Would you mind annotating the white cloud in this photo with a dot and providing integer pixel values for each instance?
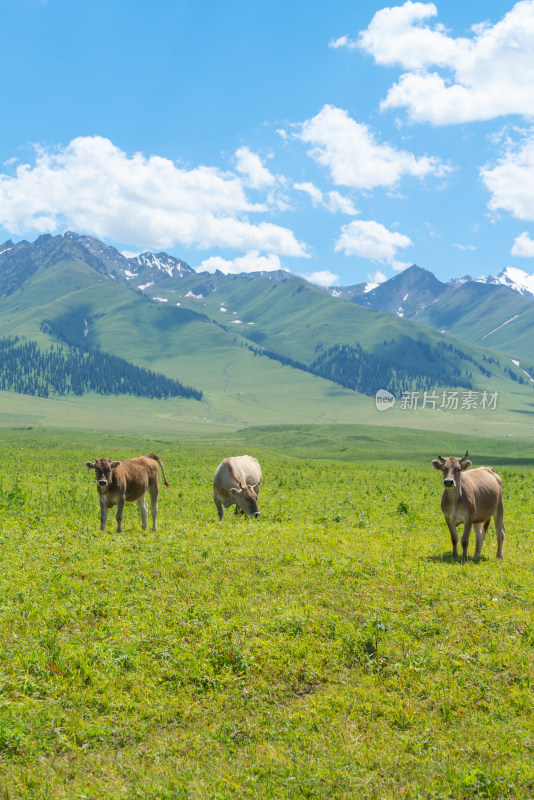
(250, 262)
(523, 246)
(353, 156)
(464, 246)
(322, 278)
(336, 202)
(511, 181)
(378, 277)
(314, 192)
(149, 202)
(343, 41)
(398, 266)
(332, 201)
(250, 166)
(486, 75)
(370, 239)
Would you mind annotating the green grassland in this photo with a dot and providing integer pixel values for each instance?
(197, 344)
(329, 649)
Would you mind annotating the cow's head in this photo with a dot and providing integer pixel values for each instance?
(102, 468)
(246, 498)
(451, 468)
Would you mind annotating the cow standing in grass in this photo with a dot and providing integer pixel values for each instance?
(118, 482)
(237, 482)
(471, 498)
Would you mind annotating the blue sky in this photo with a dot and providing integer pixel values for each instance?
(342, 141)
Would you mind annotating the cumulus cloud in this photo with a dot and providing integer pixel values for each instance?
(378, 277)
(523, 246)
(486, 75)
(370, 239)
(250, 262)
(511, 180)
(322, 278)
(250, 165)
(350, 151)
(93, 186)
(332, 201)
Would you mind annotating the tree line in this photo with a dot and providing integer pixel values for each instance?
(355, 368)
(63, 370)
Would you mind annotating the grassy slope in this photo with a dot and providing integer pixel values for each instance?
(240, 389)
(306, 315)
(330, 648)
(476, 314)
(181, 343)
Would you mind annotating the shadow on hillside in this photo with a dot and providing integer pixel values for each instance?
(447, 558)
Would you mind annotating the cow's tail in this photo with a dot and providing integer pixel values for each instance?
(160, 462)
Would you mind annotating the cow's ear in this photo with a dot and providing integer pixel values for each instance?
(114, 464)
(235, 491)
(437, 464)
(466, 464)
(90, 465)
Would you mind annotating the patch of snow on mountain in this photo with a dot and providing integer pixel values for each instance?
(178, 304)
(5, 251)
(86, 328)
(500, 326)
(369, 287)
(145, 286)
(161, 299)
(516, 279)
(223, 310)
(130, 274)
(531, 379)
(404, 298)
(335, 293)
(235, 322)
(162, 262)
(196, 296)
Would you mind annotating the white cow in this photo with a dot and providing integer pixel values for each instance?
(237, 482)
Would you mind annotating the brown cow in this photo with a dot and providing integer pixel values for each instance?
(237, 482)
(125, 481)
(471, 498)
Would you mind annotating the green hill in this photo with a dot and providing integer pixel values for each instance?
(261, 349)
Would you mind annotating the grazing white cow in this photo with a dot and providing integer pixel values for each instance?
(118, 482)
(237, 482)
(471, 498)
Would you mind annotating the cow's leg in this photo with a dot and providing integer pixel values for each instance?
(480, 532)
(218, 506)
(499, 527)
(103, 516)
(153, 491)
(454, 539)
(118, 517)
(143, 510)
(465, 538)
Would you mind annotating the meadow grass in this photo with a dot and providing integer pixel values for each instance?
(331, 648)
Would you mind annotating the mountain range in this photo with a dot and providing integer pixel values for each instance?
(495, 312)
(263, 345)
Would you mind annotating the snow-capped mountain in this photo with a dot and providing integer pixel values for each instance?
(516, 279)
(168, 266)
